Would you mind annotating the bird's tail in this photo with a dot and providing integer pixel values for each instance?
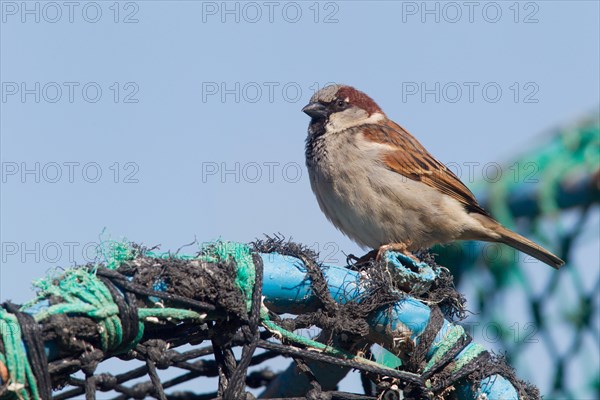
(527, 246)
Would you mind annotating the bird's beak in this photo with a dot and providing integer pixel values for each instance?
(315, 110)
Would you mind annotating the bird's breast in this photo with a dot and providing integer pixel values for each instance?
(367, 201)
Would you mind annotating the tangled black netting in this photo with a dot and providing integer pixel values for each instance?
(192, 284)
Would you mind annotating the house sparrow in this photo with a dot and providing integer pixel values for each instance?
(377, 184)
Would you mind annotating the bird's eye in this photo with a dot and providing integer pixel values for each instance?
(341, 103)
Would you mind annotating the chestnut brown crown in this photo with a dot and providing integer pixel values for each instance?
(337, 98)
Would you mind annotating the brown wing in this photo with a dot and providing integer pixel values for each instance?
(413, 161)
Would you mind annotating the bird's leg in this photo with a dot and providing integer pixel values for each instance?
(398, 247)
(364, 259)
(378, 254)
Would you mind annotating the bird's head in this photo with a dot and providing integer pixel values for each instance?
(339, 107)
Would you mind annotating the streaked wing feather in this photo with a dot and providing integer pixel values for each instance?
(413, 161)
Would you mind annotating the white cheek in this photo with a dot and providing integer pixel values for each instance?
(350, 118)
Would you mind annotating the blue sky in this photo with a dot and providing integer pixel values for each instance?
(162, 121)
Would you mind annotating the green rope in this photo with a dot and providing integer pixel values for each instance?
(22, 383)
(113, 253)
(242, 256)
(84, 294)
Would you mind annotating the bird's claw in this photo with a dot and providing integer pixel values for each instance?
(396, 247)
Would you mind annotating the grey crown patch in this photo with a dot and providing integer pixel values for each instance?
(325, 95)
